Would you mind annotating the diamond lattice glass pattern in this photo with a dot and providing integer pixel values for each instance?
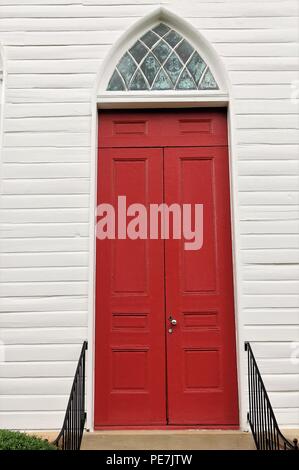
(162, 60)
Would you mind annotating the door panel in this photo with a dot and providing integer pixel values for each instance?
(163, 128)
(130, 323)
(202, 384)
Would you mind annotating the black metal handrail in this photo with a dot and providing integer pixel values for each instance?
(71, 433)
(261, 418)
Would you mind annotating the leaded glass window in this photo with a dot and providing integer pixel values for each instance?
(162, 60)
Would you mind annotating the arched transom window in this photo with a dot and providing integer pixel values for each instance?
(161, 60)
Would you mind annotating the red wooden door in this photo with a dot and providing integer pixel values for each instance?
(130, 329)
(202, 382)
(144, 374)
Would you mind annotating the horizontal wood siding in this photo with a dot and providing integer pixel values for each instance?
(54, 49)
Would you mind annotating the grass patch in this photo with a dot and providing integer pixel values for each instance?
(13, 440)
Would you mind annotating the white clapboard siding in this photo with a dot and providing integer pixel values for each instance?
(267, 287)
(278, 366)
(47, 170)
(39, 420)
(261, 106)
(48, 201)
(244, 91)
(284, 399)
(82, 2)
(270, 316)
(59, 139)
(281, 256)
(269, 213)
(272, 300)
(285, 198)
(73, 95)
(239, 9)
(54, 49)
(268, 151)
(40, 124)
(271, 183)
(41, 352)
(47, 274)
(46, 38)
(42, 335)
(36, 385)
(269, 241)
(275, 349)
(287, 49)
(19, 245)
(43, 216)
(220, 24)
(271, 272)
(46, 154)
(34, 289)
(23, 260)
(272, 332)
(43, 304)
(33, 369)
(18, 56)
(267, 121)
(64, 24)
(262, 63)
(261, 226)
(244, 37)
(271, 168)
(46, 186)
(281, 77)
(81, 11)
(38, 110)
(281, 382)
(47, 68)
(39, 319)
(44, 230)
(15, 403)
(268, 136)
(50, 80)
(289, 417)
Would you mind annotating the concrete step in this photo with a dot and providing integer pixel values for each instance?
(167, 440)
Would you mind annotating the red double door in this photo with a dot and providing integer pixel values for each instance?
(149, 369)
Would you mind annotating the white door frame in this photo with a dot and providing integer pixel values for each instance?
(102, 99)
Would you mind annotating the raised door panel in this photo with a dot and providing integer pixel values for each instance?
(165, 128)
(202, 384)
(130, 322)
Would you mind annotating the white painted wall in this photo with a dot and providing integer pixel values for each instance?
(54, 49)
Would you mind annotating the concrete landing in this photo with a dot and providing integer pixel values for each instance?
(167, 440)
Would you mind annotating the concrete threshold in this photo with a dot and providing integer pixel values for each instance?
(167, 440)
